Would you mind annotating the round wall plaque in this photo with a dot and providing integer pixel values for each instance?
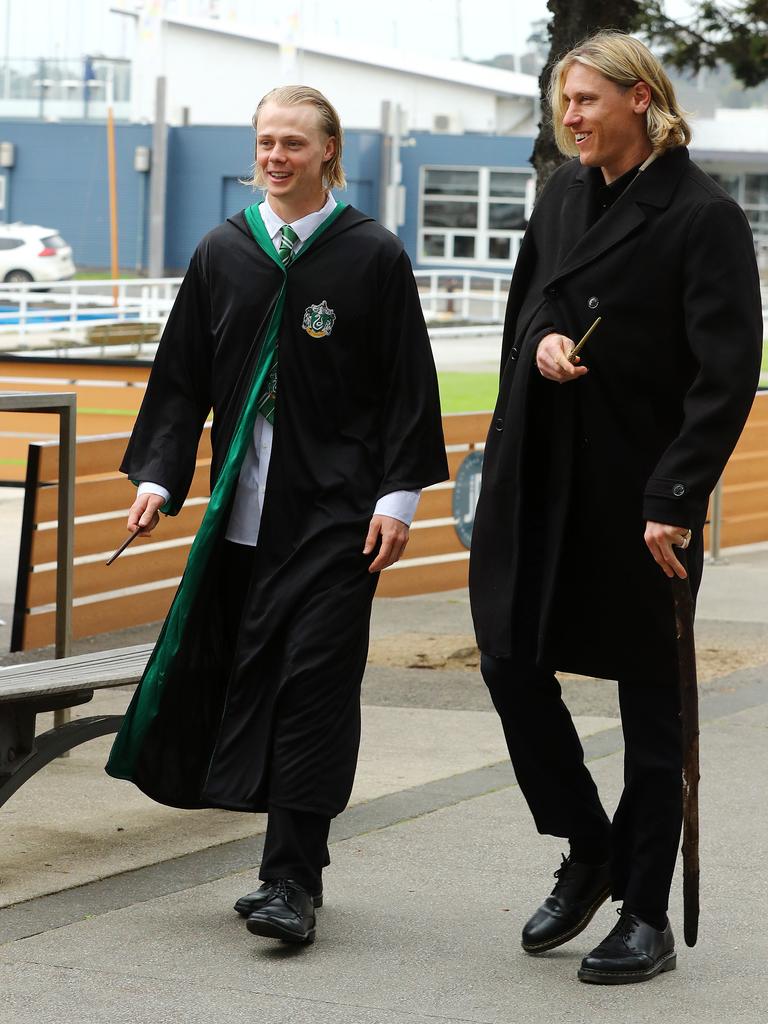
(465, 495)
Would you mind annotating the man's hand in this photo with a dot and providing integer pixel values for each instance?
(660, 540)
(552, 359)
(394, 537)
(144, 513)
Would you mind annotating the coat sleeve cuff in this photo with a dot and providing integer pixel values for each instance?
(398, 505)
(669, 501)
(147, 487)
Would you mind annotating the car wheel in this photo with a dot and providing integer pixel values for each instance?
(17, 277)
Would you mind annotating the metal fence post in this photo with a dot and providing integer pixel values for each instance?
(716, 522)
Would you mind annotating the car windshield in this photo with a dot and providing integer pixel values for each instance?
(53, 242)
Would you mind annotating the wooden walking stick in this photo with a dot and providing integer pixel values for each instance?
(689, 716)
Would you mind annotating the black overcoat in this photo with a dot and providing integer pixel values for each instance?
(274, 718)
(559, 567)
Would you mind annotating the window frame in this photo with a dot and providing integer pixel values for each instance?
(483, 233)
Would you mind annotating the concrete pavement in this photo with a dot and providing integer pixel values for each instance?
(424, 903)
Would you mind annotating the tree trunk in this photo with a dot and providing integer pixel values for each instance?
(572, 21)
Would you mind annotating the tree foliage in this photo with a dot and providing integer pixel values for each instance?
(735, 34)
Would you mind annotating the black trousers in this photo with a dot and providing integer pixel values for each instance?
(296, 843)
(548, 760)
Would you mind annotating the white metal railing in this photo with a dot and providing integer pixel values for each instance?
(66, 309)
(478, 296)
(69, 308)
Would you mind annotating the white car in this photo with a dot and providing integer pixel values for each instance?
(32, 253)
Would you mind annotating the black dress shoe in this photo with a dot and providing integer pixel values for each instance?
(246, 905)
(287, 914)
(578, 894)
(632, 951)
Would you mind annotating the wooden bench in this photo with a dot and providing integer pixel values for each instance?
(124, 332)
(29, 690)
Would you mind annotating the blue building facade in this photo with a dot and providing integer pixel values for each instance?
(465, 195)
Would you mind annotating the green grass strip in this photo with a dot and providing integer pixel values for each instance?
(468, 392)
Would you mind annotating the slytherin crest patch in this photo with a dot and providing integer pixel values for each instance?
(318, 320)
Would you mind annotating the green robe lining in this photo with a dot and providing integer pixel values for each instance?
(145, 704)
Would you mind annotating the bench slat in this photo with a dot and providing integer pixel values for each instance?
(70, 675)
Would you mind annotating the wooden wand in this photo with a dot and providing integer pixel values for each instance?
(577, 348)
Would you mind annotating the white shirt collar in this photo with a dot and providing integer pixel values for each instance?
(304, 226)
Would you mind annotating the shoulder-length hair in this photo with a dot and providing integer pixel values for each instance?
(623, 60)
(330, 124)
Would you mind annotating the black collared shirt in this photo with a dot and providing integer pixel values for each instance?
(606, 195)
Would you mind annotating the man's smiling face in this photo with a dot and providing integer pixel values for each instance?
(291, 149)
(607, 122)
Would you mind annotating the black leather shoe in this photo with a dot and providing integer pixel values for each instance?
(246, 905)
(578, 894)
(632, 951)
(288, 914)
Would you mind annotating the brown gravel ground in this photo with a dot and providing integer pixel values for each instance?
(423, 650)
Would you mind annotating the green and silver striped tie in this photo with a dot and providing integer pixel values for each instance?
(288, 239)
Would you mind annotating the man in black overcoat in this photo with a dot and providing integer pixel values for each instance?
(299, 324)
(598, 467)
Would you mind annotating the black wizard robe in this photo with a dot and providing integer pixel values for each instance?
(274, 718)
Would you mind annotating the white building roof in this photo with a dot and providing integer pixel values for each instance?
(460, 72)
(731, 134)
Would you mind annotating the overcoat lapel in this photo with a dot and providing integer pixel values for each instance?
(581, 244)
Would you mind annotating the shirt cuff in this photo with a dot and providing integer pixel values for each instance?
(150, 488)
(398, 505)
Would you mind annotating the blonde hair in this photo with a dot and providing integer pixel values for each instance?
(625, 61)
(294, 96)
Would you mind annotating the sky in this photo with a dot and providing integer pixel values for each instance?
(73, 28)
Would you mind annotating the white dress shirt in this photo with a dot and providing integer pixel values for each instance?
(245, 518)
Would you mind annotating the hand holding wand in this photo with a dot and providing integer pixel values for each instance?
(577, 348)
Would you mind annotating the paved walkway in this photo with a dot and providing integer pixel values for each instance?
(119, 910)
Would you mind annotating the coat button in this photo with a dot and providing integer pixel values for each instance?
(499, 423)
(593, 302)
(513, 353)
(551, 291)
(678, 490)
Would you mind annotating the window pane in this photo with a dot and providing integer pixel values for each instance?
(506, 215)
(756, 188)
(450, 215)
(53, 242)
(451, 183)
(10, 243)
(758, 219)
(508, 183)
(434, 245)
(730, 182)
(464, 245)
(498, 248)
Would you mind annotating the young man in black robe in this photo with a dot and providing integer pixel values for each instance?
(596, 471)
(300, 325)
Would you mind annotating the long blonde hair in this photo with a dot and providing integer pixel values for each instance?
(623, 60)
(330, 124)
